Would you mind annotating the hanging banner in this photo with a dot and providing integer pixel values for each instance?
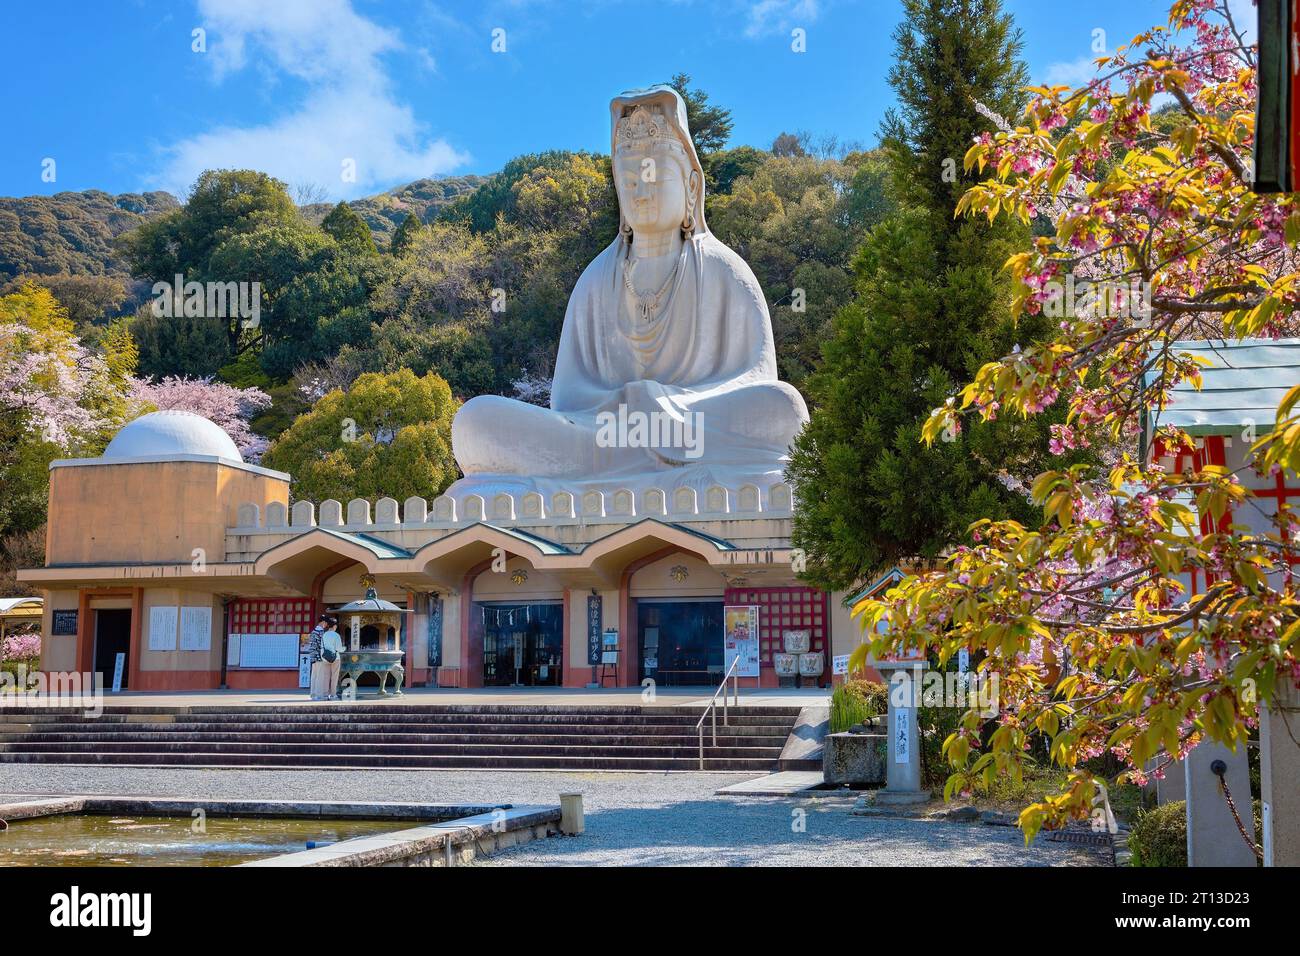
(740, 638)
(435, 630)
(595, 610)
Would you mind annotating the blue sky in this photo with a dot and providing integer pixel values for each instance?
(115, 94)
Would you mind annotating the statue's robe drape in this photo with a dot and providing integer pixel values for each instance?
(708, 350)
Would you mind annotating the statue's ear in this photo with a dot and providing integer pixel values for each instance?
(693, 188)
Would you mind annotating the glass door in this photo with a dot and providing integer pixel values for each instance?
(523, 644)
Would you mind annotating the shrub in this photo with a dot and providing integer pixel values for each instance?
(855, 701)
(1159, 836)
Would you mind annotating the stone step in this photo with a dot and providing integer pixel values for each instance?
(355, 738)
(371, 761)
(402, 749)
(398, 735)
(400, 711)
(345, 721)
(334, 715)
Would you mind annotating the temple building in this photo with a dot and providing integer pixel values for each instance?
(173, 551)
(637, 529)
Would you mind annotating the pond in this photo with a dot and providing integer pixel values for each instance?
(135, 840)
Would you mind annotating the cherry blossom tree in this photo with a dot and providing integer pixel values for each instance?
(51, 386)
(1087, 620)
(227, 406)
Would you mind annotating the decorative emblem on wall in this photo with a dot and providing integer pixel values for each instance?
(679, 573)
(519, 575)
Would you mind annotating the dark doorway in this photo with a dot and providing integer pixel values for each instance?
(523, 644)
(680, 642)
(113, 637)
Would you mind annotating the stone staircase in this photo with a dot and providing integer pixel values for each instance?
(398, 736)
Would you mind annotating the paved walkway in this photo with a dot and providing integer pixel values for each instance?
(632, 819)
(541, 696)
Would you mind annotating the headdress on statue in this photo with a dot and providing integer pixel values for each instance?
(657, 114)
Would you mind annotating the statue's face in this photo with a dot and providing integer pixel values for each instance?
(652, 188)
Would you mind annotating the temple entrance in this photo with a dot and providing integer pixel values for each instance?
(680, 642)
(113, 637)
(523, 644)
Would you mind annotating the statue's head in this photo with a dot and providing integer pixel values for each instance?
(657, 173)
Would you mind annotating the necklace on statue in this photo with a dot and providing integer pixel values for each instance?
(647, 305)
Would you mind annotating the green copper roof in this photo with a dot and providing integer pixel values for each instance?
(377, 545)
(1243, 383)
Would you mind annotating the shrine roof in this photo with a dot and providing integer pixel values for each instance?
(376, 545)
(1243, 383)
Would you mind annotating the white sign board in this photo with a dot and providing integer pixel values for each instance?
(840, 664)
(304, 670)
(162, 628)
(117, 673)
(232, 650)
(196, 628)
(268, 650)
(902, 734)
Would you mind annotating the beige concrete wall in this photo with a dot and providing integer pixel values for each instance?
(846, 635)
(346, 586)
(500, 586)
(178, 660)
(575, 649)
(58, 651)
(451, 630)
(656, 580)
(149, 512)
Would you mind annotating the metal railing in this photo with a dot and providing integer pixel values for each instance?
(712, 709)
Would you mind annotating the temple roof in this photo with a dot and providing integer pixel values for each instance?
(1244, 382)
(166, 434)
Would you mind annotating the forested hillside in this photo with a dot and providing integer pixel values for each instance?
(72, 233)
(424, 198)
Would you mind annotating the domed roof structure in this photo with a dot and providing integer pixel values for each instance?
(170, 434)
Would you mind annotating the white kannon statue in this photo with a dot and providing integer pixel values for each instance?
(666, 373)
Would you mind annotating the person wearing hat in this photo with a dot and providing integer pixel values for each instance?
(331, 649)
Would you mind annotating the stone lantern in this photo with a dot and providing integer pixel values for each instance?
(373, 632)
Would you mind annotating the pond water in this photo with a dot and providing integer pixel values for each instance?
(90, 840)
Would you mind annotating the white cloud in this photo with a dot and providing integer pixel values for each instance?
(1074, 73)
(766, 17)
(348, 111)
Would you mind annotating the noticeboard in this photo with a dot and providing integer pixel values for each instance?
(63, 621)
(740, 638)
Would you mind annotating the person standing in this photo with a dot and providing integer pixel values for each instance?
(331, 649)
(314, 655)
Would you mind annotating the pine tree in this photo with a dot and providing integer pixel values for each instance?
(930, 307)
(405, 234)
(349, 230)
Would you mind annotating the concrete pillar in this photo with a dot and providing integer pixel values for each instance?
(1212, 835)
(903, 760)
(1174, 785)
(1279, 764)
(572, 820)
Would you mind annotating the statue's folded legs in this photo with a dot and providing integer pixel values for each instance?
(744, 425)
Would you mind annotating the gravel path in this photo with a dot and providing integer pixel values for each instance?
(632, 819)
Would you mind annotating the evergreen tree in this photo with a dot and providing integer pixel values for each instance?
(930, 307)
(349, 230)
(405, 234)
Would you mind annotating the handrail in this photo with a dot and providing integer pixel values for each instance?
(712, 708)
